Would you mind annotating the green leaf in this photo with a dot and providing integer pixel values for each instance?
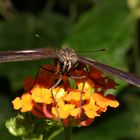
(55, 133)
(19, 33)
(105, 26)
(72, 83)
(31, 128)
(21, 125)
(5, 112)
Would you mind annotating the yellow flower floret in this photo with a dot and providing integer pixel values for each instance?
(17, 103)
(59, 93)
(25, 103)
(91, 109)
(103, 102)
(64, 111)
(41, 95)
(89, 84)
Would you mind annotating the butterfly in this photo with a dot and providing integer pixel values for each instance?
(68, 58)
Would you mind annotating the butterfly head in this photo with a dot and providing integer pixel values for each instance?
(68, 58)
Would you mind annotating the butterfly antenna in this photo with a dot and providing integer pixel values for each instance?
(98, 50)
(40, 37)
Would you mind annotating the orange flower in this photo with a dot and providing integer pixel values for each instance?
(73, 106)
(64, 111)
(104, 102)
(17, 103)
(91, 109)
(41, 95)
(25, 103)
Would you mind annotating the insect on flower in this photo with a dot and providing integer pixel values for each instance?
(77, 106)
(67, 60)
(58, 100)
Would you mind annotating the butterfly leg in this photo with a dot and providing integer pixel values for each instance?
(37, 75)
(55, 102)
(54, 86)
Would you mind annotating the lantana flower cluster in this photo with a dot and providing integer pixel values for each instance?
(78, 104)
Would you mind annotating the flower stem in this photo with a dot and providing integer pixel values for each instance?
(67, 133)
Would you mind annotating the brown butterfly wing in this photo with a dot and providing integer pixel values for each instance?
(27, 55)
(130, 78)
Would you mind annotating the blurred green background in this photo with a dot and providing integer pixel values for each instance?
(84, 25)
